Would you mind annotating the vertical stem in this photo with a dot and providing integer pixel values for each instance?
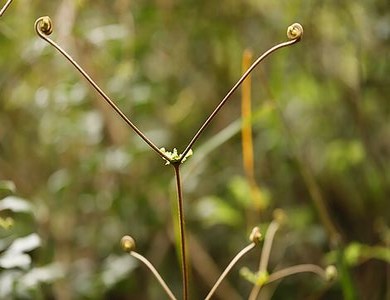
(184, 265)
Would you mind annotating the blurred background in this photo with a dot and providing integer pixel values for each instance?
(75, 179)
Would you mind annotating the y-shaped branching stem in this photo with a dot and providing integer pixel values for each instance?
(44, 28)
(6, 5)
(294, 33)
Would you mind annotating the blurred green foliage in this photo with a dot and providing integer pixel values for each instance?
(167, 64)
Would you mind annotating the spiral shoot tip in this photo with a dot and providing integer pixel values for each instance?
(44, 25)
(295, 31)
(128, 243)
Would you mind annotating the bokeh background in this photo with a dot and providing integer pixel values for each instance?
(77, 179)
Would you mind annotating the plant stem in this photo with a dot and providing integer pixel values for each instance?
(229, 267)
(233, 89)
(265, 254)
(6, 5)
(155, 273)
(297, 269)
(268, 240)
(184, 263)
(97, 88)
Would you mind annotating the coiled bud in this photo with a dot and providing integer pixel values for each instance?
(128, 243)
(44, 25)
(256, 236)
(295, 31)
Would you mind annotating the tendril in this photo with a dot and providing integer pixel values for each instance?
(44, 27)
(295, 31)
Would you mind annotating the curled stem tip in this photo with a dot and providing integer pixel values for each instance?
(128, 243)
(256, 236)
(295, 31)
(44, 25)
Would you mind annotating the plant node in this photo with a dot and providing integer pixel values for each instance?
(174, 156)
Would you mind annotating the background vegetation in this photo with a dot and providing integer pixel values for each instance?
(320, 127)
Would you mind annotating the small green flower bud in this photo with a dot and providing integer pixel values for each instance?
(128, 243)
(256, 236)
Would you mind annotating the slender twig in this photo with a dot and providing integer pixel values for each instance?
(184, 262)
(297, 269)
(43, 27)
(268, 240)
(6, 5)
(155, 273)
(229, 267)
(296, 38)
(265, 254)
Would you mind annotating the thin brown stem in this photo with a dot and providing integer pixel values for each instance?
(182, 233)
(43, 27)
(155, 273)
(265, 254)
(229, 267)
(6, 5)
(268, 240)
(304, 268)
(234, 88)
